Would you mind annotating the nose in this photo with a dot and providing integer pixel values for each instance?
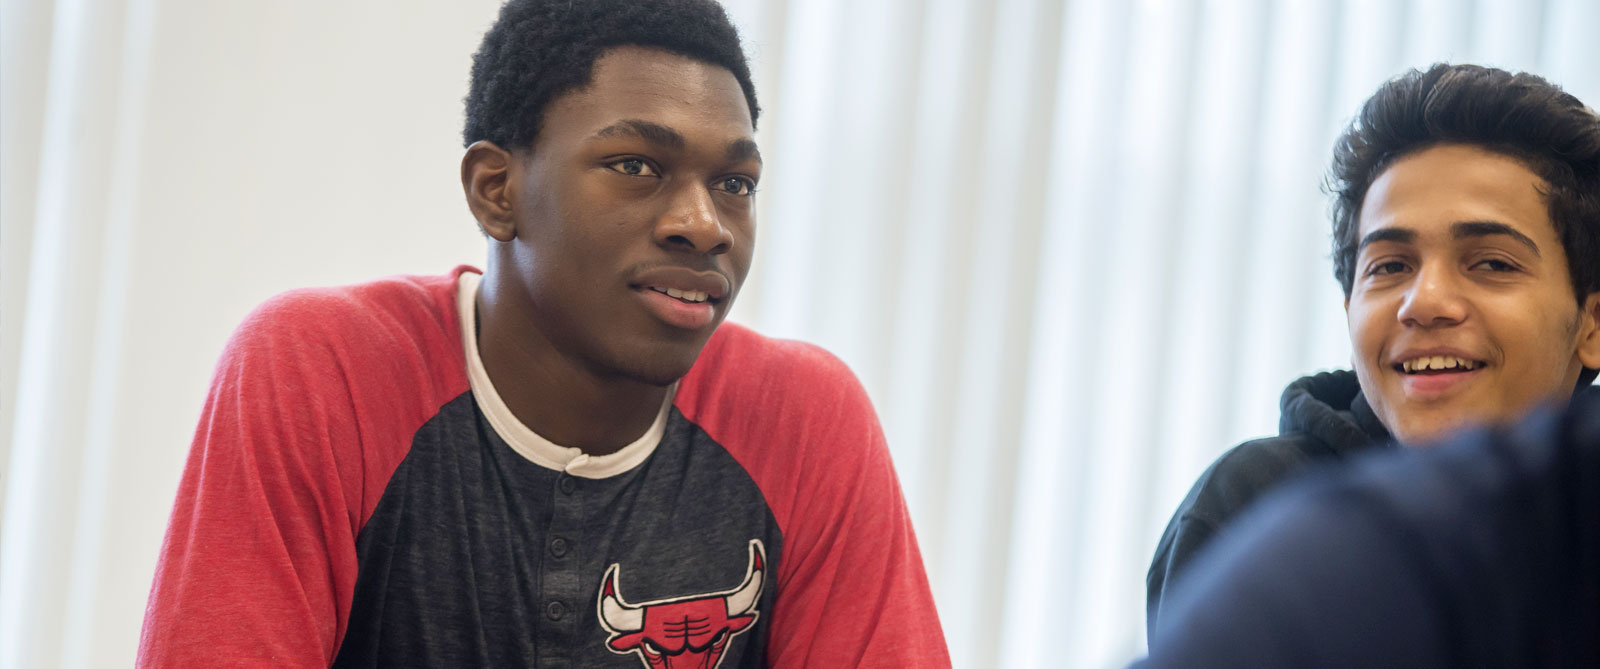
(1434, 299)
(691, 223)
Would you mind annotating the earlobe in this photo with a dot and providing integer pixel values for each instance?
(1589, 332)
(485, 177)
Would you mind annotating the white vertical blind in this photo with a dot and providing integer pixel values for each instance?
(1073, 248)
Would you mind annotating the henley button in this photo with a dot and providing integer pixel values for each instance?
(555, 610)
(568, 485)
(558, 547)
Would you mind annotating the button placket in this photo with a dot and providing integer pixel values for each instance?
(563, 585)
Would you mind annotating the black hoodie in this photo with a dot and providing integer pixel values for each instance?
(1480, 551)
(1324, 418)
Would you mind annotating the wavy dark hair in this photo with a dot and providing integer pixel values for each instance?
(1519, 115)
(540, 49)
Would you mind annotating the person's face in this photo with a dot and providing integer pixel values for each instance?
(1462, 310)
(635, 215)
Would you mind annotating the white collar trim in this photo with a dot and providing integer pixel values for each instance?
(526, 442)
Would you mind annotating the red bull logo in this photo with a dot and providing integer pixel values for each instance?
(689, 632)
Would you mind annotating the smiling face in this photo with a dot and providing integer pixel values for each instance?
(1462, 310)
(634, 218)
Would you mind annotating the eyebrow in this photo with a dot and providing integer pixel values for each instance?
(1470, 229)
(743, 149)
(1463, 230)
(1397, 235)
(655, 133)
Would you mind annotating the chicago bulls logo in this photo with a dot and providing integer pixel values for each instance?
(682, 632)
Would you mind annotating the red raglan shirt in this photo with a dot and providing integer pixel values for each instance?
(357, 495)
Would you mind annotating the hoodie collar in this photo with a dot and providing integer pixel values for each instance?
(1330, 408)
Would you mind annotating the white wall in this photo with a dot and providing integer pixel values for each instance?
(218, 153)
(1074, 249)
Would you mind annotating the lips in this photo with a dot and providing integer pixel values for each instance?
(1438, 364)
(1435, 361)
(675, 312)
(681, 297)
(1428, 374)
(666, 279)
(690, 296)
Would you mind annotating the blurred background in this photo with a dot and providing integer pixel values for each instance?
(1074, 249)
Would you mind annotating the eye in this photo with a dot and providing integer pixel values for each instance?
(1495, 265)
(1385, 268)
(633, 167)
(736, 186)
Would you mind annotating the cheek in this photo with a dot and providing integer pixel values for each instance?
(740, 259)
(568, 237)
(1366, 327)
(1530, 321)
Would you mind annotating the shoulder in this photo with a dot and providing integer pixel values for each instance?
(353, 309)
(785, 376)
(1243, 473)
(781, 408)
(325, 388)
(1222, 493)
(333, 338)
(388, 315)
(736, 347)
(1235, 479)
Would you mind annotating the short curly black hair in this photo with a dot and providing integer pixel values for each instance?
(1519, 115)
(540, 49)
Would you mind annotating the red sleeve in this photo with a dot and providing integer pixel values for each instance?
(301, 430)
(851, 587)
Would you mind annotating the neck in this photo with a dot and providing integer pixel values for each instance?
(562, 398)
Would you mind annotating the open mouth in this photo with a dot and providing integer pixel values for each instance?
(688, 296)
(1437, 364)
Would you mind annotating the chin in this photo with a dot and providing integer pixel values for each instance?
(662, 376)
(661, 367)
(658, 358)
(1427, 430)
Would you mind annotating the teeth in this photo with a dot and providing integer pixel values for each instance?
(1437, 362)
(685, 295)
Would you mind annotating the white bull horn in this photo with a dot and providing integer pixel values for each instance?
(743, 600)
(616, 614)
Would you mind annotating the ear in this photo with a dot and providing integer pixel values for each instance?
(1589, 332)
(485, 176)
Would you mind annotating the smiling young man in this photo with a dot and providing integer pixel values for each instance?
(1467, 240)
(565, 461)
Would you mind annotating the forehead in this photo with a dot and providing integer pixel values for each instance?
(1431, 190)
(697, 99)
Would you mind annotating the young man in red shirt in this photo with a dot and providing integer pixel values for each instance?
(565, 461)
